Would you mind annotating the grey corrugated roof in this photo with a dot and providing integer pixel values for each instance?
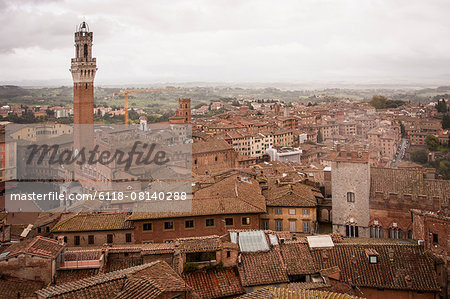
(252, 241)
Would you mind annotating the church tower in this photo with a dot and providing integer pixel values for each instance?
(83, 70)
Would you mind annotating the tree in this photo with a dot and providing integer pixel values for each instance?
(50, 113)
(446, 121)
(199, 105)
(319, 137)
(379, 102)
(420, 156)
(432, 142)
(402, 129)
(441, 106)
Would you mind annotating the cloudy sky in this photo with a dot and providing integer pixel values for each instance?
(149, 41)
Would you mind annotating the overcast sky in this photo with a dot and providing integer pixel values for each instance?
(149, 41)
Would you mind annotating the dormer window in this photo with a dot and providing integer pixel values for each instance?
(373, 259)
(372, 256)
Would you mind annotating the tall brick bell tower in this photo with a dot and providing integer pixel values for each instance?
(83, 70)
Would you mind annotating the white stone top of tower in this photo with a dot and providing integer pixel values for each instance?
(84, 27)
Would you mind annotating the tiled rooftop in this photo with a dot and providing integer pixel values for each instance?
(199, 244)
(231, 195)
(215, 283)
(38, 245)
(262, 268)
(292, 195)
(297, 258)
(135, 282)
(93, 222)
(12, 288)
(400, 266)
(214, 145)
(285, 293)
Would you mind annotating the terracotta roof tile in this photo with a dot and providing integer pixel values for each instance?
(298, 195)
(214, 145)
(38, 245)
(215, 283)
(199, 244)
(286, 293)
(93, 222)
(152, 278)
(232, 195)
(12, 288)
(400, 266)
(297, 258)
(262, 268)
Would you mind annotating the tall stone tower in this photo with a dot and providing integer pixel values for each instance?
(350, 187)
(183, 113)
(83, 70)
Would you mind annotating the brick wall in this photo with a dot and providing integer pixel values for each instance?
(100, 237)
(158, 234)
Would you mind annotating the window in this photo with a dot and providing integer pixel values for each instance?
(410, 234)
(395, 233)
(210, 222)
(109, 238)
(189, 224)
(128, 238)
(77, 240)
(147, 226)
(168, 241)
(229, 221)
(291, 211)
(350, 197)
(168, 225)
(306, 227)
(245, 220)
(228, 253)
(351, 231)
(65, 239)
(198, 257)
(278, 226)
(47, 229)
(373, 259)
(305, 211)
(265, 224)
(376, 232)
(435, 239)
(91, 239)
(278, 211)
(39, 230)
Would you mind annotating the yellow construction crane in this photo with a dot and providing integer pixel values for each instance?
(126, 92)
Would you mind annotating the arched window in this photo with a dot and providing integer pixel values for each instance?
(395, 233)
(410, 234)
(85, 50)
(376, 232)
(351, 231)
